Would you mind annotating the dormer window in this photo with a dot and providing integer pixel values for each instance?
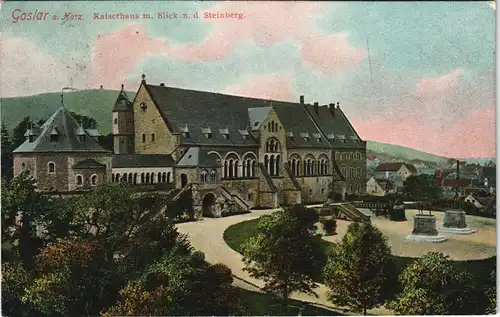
(317, 136)
(185, 131)
(341, 137)
(54, 135)
(244, 134)
(31, 139)
(81, 134)
(207, 132)
(305, 136)
(225, 133)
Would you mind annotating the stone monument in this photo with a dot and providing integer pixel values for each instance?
(454, 222)
(424, 229)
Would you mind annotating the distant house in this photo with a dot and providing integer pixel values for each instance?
(447, 179)
(395, 170)
(486, 203)
(378, 186)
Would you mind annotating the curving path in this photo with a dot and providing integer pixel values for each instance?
(207, 236)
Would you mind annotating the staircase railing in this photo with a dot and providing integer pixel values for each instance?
(236, 198)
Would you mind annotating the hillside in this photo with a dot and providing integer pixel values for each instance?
(95, 103)
(388, 152)
(98, 103)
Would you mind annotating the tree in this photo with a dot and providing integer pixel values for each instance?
(359, 271)
(86, 121)
(422, 187)
(286, 252)
(23, 209)
(432, 285)
(18, 137)
(491, 293)
(7, 160)
(14, 280)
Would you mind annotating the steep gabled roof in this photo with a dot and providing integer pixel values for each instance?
(228, 115)
(333, 122)
(67, 140)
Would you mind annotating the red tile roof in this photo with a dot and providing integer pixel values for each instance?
(394, 167)
(456, 182)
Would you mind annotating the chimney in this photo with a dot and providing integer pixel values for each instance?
(302, 99)
(122, 87)
(143, 78)
(162, 85)
(338, 105)
(332, 109)
(316, 107)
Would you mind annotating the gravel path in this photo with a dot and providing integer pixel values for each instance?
(207, 236)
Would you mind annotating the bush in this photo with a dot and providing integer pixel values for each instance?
(329, 225)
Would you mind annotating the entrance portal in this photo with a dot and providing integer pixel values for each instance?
(184, 180)
(208, 205)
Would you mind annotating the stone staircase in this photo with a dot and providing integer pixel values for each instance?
(237, 199)
(352, 213)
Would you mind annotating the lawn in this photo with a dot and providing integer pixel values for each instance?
(262, 304)
(237, 234)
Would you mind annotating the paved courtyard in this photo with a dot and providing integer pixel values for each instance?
(207, 236)
(479, 245)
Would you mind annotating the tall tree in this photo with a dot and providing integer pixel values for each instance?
(359, 271)
(432, 285)
(286, 252)
(86, 121)
(422, 187)
(7, 161)
(18, 137)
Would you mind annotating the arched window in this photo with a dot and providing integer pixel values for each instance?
(273, 146)
(113, 178)
(152, 137)
(252, 170)
(277, 171)
(143, 138)
(130, 178)
(51, 167)
(236, 167)
(117, 177)
(142, 178)
(272, 165)
(213, 176)
(135, 178)
(116, 121)
(23, 167)
(226, 167)
(124, 178)
(204, 176)
(266, 162)
(168, 177)
(147, 178)
(79, 180)
(93, 180)
(244, 169)
(292, 166)
(230, 168)
(269, 127)
(163, 177)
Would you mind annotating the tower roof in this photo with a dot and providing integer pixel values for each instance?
(67, 129)
(122, 103)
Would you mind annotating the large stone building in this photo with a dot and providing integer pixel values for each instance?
(230, 150)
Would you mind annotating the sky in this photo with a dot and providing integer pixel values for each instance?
(416, 74)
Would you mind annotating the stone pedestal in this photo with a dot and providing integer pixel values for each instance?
(454, 222)
(424, 230)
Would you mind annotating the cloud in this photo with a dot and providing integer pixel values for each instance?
(472, 136)
(26, 70)
(330, 54)
(434, 88)
(116, 54)
(277, 86)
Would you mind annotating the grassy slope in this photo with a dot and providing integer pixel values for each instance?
(98, 104)
(95, 103)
